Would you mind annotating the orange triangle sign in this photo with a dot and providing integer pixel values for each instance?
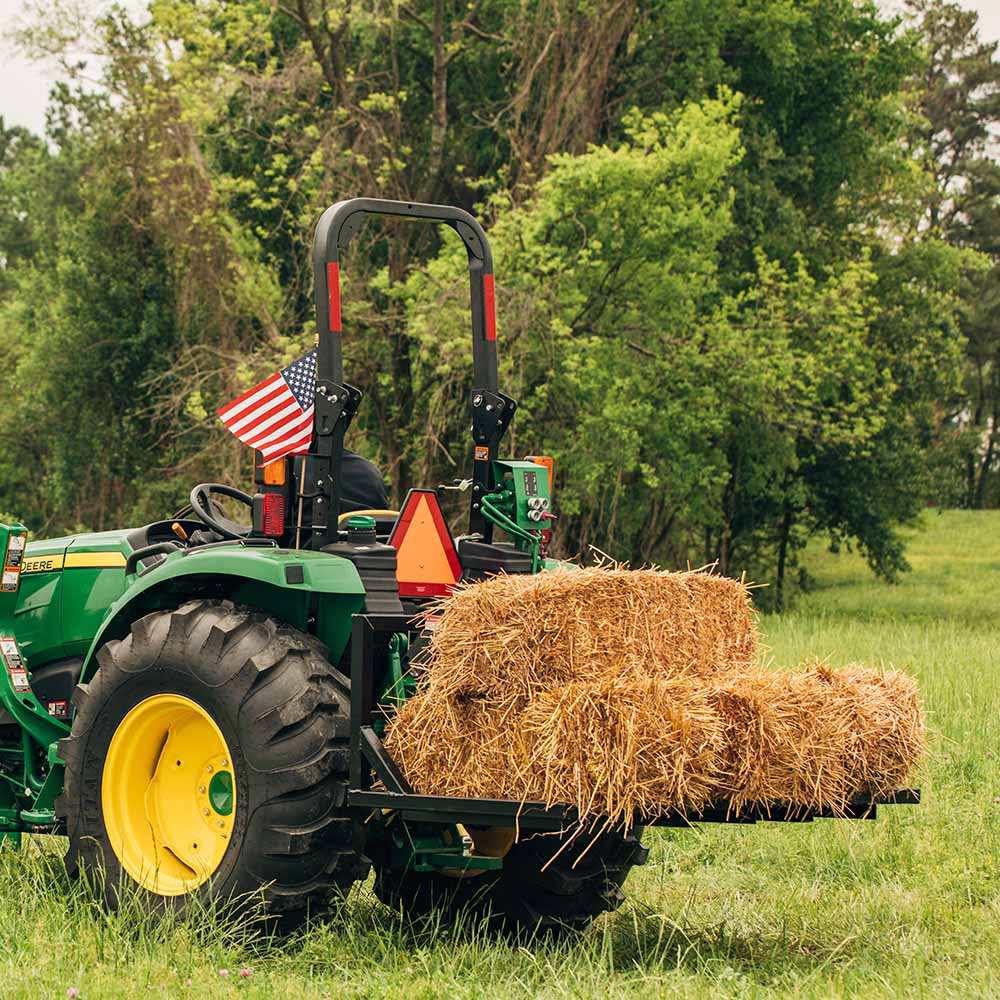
(426, 561)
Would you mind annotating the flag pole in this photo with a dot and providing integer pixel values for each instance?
(302, 483)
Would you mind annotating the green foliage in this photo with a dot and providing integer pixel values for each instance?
(689, 422)
(93, 321)
(19, 152)
(603, 276)
(957, 104)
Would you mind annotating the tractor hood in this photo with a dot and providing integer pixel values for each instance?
(65, 589)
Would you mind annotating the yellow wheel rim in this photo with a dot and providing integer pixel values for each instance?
(168, 794)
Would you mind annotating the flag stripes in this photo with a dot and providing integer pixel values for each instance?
(276, 417)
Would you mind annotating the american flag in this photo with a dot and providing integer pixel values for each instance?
(276, 417)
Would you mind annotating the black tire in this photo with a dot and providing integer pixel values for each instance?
(525, 897)
(284, 713)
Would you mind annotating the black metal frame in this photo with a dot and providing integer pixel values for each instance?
(369, 759)
(337, 401)
(368, 756)
(538, 816)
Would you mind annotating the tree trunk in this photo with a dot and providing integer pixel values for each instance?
(970, 462)
(970, 481)
(984, 467)
(724, 541)
(439, 95)
(785, 532)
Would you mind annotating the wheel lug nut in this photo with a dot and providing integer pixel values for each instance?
(206, 812)
(201, 788)
(209, 768)
(221, 824)
(224, 762)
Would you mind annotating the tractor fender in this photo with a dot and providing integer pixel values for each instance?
(312, 591)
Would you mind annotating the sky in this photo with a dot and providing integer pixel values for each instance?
(24, 85)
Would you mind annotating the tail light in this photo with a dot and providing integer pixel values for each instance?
(273, 507)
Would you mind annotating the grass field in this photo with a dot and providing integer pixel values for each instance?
(906, 906)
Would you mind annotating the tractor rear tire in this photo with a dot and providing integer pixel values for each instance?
(281, 712)
(532, 894)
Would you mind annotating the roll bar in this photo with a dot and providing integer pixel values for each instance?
(336, 402)
(340, 222)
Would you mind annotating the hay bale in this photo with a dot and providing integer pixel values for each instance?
(625, 745)
(634, 693)
(817, 738)
(785, 742)
(462, 746)
(615, 746)
(518, 632)
(882, 712)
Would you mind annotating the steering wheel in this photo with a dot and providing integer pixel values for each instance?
(211, 514)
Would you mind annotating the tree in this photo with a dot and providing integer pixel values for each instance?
(19, 150)
(957, 98)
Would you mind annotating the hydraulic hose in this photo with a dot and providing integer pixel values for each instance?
(503, 521)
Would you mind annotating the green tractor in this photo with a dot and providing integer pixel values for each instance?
(197, 704)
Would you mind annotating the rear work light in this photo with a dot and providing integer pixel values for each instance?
(273, 507)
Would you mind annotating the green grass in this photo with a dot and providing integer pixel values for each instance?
(905, 906)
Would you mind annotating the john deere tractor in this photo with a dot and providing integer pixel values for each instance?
(197, 703)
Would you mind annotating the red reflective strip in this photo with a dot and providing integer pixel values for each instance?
(274, 514)
(333, 295)
(489, 304)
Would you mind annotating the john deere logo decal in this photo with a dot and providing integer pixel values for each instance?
(42, 564)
